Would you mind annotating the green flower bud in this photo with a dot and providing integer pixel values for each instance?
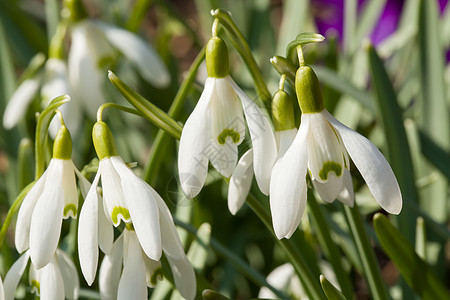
(62, 147)
(282, 111)
(308, 91)
(103, 141)
(217, 63)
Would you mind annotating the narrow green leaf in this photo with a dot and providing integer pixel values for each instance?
(368, 19)
(51, 17)
(350, 9)
(421, 238)
(284, 66)
(294, 21)
(43, 122)
(414, 270)
(435, 154)
(330, 290)
(153, 113)
(366, 253)
(138, 13)
(399, 154)
(24, 163)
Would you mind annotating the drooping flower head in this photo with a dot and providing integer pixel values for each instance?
(216, 128)
(323, 146)
(127, 198)
(53, 197)
(56, 280)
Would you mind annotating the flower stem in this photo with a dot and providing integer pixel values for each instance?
(12, 211)
(242, 47)
(366, 253)
(311, 285)
(151, 169)
(138, 13)
(119, 107)
(329, 247)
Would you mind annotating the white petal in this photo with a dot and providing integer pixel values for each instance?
(22, 236)
(133, 283)
(143, 209)
(113, 194)
(346, 196)
(19, 102)
(194, 144)
(2, 290)
(284, 140)
(105, 230)
(288, 186)
(324, 150)
(226, 113)
(263, 139)
(69, 275)
(279, 278)
(170, 240)
(223, 157)
(140, 53)
(51, 282)
(184, 276)
(88, 233)
(330, 190)
(13, 276)
(240, 182)
(86, 79)
(70, 190)
(153, 271)
(34, 280)
(56, 82)
(110, 271)
(47, 216)
(373, 167)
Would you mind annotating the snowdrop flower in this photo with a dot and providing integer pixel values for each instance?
(139, 271)
(128, 198)
(53, 197)
(285, 131)
(56, 280)
(216, 127)
(323, 146)
(93, 45)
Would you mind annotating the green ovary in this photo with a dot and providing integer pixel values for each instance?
(235, 136)
(70, 207)
(36, 284)
(330, 166)
(157, 274)
(119, 210)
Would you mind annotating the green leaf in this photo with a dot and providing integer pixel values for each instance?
(369, 18)
(198, 252)
(330, 290)
(414, 270)
(151, 112)
(435, 154)
(399, 154)
(43, 122)
(421, 238)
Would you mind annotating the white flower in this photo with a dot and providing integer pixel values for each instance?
(53, 197)
(214, 130)
(56, 280)
(323, 146)
(125, 197)
(139, 271)
(92, 47)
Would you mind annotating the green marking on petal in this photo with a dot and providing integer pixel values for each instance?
(119, 210)
(227, 132)
(157, 275)
(129, 226)
(68, 208)
(36, 285)
(346, 165)
(330, 166)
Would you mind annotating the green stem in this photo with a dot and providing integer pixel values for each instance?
(12, 211)
(119, 107)
(242, 47)
(329, 247)
(151, 169)
(140, 9)
(311, 285)
(235, 260)
(366, 253)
